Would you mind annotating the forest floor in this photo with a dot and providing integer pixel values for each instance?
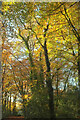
(22, 118)
(14, 118)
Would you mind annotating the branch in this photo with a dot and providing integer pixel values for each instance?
(65, 83)
(38, 22)
(56, 10)
(36, 36)
(46, 29)
(70, 47)
(69, 60)
(18, 60)
(13, 74)
(58, 7)
(70, 23)
(23, 24)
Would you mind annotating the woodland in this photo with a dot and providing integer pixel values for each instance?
(41, 59)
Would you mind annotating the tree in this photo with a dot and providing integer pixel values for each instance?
(44, 55)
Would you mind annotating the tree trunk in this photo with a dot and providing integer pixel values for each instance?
(57, 78)
(76, 33)
(41, 74)
(5, 100)
(14, 105)
(7, 103)
(24, 108)
(79, 76)
(10, 104)
(49, 83)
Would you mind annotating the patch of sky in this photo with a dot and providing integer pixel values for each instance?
(61, 86)
(13, 39)
(21, 58)
(73, 82)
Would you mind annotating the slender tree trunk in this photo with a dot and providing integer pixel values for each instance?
(24, 108)
(57, 88)
(49, 83)
(5, 100)
(41, 73)
(10, 104)
(33, 74)
(2, 96)
(14, 105)
(7, 103)
(79, 76)
(76, 33)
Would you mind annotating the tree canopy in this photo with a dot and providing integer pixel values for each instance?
(41, 59)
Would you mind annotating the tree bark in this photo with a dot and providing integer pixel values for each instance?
(79, 76)
(14, 105)
(10, 104)
(49, 83)
(57, 80)
(41, 73)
